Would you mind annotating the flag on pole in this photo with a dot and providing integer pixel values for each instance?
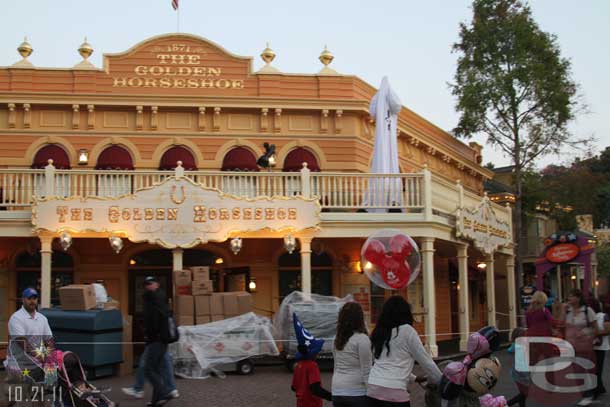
(175, 4)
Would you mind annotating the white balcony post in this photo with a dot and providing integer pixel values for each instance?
(179, 170)
(427, 250)
(427, 193)
(177, 259)
(45, 271)
(512, 292)
(463, 305)
(305, 181)
(491, 290)
(49, 179)
(305, 264)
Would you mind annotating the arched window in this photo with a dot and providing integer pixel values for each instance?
(289, 267)
(240, 159)
(61, 161)
(115, 158)
(173, 155)
(294, 163)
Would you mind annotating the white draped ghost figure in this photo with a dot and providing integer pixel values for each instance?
(384, 191)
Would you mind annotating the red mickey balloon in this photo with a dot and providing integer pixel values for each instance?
(388, 254)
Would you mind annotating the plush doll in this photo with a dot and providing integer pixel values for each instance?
(393, 269)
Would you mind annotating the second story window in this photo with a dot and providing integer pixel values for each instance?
(61, 161)
(243, 185)
(294, 163)
(118, 182)
(177, 153)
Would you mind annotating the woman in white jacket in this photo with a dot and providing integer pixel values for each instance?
(352, 355)
(396, 347)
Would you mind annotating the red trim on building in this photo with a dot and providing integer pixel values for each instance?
(175, 154)
(239, 159)
(60, 158)
(295, 159)
(114, 158)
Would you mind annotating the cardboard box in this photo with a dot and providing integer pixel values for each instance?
(202, 287)
(244, 303)
(184, 305)
(216, 304)
(217, 318)
(202, 305)
(229, 304)
(203, 319)
(112, 304)
(185, 320)
(77, 297)
(182, 282)
(200, 273)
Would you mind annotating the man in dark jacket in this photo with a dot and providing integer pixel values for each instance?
(156, 332)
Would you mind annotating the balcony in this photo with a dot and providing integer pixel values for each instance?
(418, 197)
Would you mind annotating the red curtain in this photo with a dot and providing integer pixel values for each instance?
(60, 158)
(175, 154)
(114, 158)
(295, 159)
(239, 159)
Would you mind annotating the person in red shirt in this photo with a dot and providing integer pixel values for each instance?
(306, 382)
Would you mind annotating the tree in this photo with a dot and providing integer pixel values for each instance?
(513, 86)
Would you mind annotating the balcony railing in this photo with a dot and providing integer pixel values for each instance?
(420, 193)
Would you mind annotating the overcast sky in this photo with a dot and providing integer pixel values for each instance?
(410, 41)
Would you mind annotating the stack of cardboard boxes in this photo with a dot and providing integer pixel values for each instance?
(196, 303)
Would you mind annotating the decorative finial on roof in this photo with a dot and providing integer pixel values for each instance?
(326, 57)
(25, 50)
(85, 50)
(268, 55)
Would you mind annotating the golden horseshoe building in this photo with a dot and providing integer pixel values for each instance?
(158, 150)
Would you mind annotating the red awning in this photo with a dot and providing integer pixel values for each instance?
(239, 159)
(175, 154)
(60, 158)
(114, 158)
(295, 159)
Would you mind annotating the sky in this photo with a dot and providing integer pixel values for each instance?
(409, 41)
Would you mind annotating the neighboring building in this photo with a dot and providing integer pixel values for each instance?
(112, 132)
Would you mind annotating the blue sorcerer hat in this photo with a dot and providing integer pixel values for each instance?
(304, 338)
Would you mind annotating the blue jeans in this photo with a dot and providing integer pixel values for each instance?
(167, 372)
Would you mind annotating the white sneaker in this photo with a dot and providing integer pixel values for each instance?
(130, 391)
(585, 402)
(174, 394)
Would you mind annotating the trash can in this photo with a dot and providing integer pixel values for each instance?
(96, 336)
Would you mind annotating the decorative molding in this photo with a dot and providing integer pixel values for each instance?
(75, 116)
(90, 117)
(300, 123)
(277, 120)
(324, 121)
(154, 119)
(264, 119)
(12, 116)
(27, 116)
(201, 119)
(116, 119)
(52, 118)
(139, 117)
(338, 121)
(216, 119)
(178, 120)
(240, 122)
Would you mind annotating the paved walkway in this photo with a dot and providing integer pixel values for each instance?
(270, 386)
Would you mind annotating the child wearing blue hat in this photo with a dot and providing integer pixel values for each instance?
(306, 382)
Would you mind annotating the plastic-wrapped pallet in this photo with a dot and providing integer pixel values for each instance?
(318, 313)
(201, 348)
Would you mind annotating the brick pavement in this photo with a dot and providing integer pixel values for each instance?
(269, 386)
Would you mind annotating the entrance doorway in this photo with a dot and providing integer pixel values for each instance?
(289, 266)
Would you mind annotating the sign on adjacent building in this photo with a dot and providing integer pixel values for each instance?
(175, 213)
(482, 226)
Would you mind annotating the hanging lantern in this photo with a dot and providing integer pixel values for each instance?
(65, 240)
(116, 243)
(290, 243)
(236, 244)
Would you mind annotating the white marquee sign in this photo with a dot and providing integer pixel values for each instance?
(175, 213)
(483, 227)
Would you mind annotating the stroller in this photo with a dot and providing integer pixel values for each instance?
(75, 390)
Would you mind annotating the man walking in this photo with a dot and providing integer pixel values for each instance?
(156, 332)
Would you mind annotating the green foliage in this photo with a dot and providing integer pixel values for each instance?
(602, 251)
(512, 83)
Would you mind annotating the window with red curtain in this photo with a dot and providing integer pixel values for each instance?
(175, 154)
(295, 159)
(114, 158)
(60, 158)
(239, 159)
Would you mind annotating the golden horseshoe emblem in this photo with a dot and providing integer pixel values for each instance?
(175, 200)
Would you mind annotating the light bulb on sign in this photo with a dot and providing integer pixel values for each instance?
(236, 244)
(116, 243)
(290, 243)
(65, 240)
